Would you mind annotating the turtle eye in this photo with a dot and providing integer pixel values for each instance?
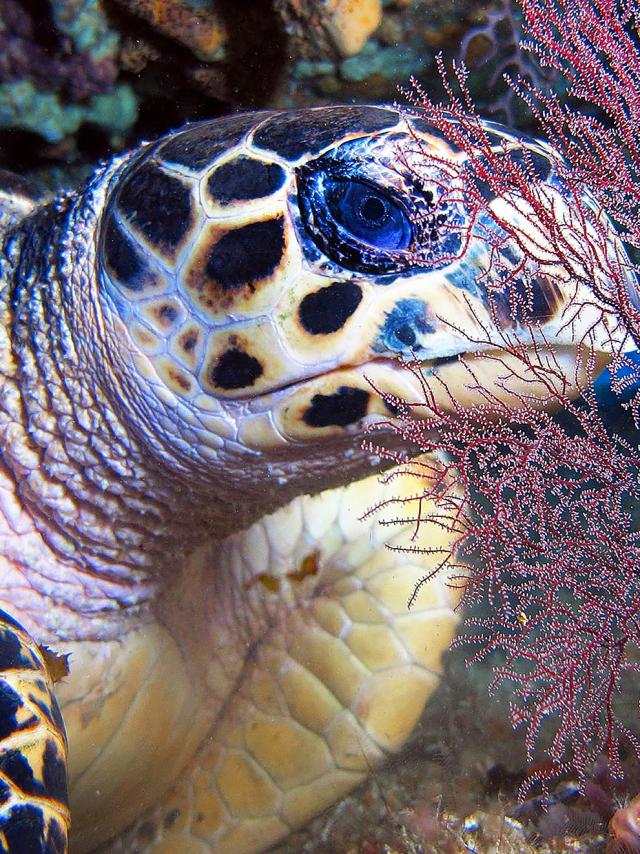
(359, 225)
(368, 214)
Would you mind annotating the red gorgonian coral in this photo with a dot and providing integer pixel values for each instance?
(546, 509)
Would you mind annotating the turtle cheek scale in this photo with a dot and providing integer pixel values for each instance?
(344, 400)
(238, 271)
(245, 361)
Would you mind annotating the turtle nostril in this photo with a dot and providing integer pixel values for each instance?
(405, 335)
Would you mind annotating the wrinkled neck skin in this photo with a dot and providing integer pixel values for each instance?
(106, 479)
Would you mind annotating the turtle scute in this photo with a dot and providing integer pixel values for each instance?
(34, 813)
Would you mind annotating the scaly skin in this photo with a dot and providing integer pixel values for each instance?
(232, 672)
(339, 673)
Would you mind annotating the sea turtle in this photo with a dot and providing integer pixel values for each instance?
(192, 346)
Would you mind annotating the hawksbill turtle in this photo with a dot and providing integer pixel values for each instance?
(190, 344)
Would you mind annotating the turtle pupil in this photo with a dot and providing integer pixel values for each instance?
(374, 211)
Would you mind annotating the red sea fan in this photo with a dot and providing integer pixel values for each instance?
(547, 517)
(546, 537)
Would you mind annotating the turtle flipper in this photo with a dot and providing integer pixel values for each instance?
(34, 813)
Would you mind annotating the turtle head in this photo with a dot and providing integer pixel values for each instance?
(269, 271)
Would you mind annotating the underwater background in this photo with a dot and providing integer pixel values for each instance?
(82, 79)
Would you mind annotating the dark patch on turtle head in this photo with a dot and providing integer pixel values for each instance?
(163, 315)
(423, 126)
(403, 325)
(536, 164)
(247, 254)
(327, 310)
(235, 369)
(485, 190)
(157, 206)
(126, 266)
(198, 146)
(186, 346)
(522, 302)
(239, 259)
(346, 406)
(441, 361)
(188, 340)
(307, 132)
(178, 379)
(243, 179)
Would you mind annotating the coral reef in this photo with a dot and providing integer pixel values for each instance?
(69, 63)
(113, 64)
(59, 73)
(397, 49)
(74, 52)
(548, 539)
(490, 48)
(197, 25)
(342, 26)
(78, 62)
(24, 106)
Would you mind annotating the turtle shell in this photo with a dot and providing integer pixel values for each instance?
(34, 813)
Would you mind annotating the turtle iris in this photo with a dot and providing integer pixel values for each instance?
(368, 214)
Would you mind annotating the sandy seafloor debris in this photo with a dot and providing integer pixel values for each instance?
(454, 788)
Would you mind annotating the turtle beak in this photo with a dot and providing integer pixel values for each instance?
(348, 398)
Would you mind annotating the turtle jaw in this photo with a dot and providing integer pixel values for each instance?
(346, 400)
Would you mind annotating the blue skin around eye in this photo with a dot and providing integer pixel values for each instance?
(370, 216)
(402, 326)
